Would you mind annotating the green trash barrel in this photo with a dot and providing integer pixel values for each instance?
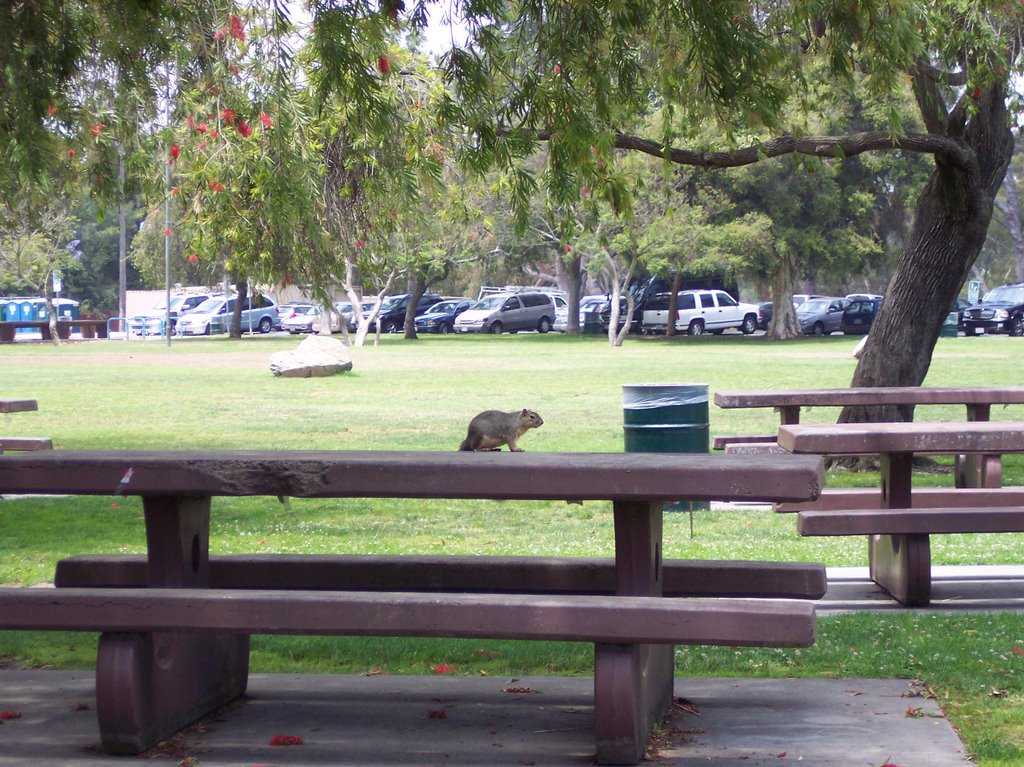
(666, 418)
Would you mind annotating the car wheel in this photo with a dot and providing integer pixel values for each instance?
(696, 328)
(544, 325)
(206, 331)
(265, 325)
(819, 329)
(496, 329)
(445, 328)
(749, 324)
(1017, 325)
(389, 326)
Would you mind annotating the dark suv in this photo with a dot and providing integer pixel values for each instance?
(392, 311)
(1001, 311)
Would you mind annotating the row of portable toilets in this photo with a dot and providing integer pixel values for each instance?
(34, 309)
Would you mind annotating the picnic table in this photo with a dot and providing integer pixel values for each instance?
(176, 623)
(973, 470)
(898, 543)
(22, 443)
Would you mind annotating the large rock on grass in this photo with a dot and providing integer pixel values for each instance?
(316, 356)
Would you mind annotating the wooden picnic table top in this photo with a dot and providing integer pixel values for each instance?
(406, 474)
(873, 395)
(920, 437)
(17, 405)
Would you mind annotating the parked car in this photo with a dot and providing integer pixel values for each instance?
(152, 321)
(440, 318)
(859, 314)
(821, 316)
(800, 298)
(259, 314)
(392, 311)
(959, 306)
(1001, 311)
(508, 311)
(284, 311)
(306, 319)
(701, 311)
(764, 315)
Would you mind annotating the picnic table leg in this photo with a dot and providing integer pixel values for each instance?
(788, 414)
(150, 685)
(979, 470)
(900, 564)
(632, 682)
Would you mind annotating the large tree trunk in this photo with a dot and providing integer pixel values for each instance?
(417, 287)
(950, 224)
(1011, 212)
(235, 321)
(784, 323)
(673, 303)
(569, 270)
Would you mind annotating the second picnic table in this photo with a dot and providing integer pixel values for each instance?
(898, 543)
(972, 470)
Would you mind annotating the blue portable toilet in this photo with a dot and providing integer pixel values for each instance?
(26, 313)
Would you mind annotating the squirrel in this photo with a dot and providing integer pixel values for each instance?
(492, 428)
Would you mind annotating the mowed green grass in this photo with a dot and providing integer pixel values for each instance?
(218, 393)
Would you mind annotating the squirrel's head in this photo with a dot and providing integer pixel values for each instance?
(531, 419)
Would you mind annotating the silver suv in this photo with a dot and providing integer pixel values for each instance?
(508, 311)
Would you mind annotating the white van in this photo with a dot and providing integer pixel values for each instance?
(508, 311)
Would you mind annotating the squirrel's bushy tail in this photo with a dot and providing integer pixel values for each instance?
(465, 445)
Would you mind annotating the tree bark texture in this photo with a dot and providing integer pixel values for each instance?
(1011, 212)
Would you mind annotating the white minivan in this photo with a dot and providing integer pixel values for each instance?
(700, 311)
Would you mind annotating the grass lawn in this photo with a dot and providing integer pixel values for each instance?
(218, 393)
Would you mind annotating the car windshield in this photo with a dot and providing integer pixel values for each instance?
(591, 303)
(390, 303)
(492, 302)
(813, 306)
(1008, 294)
(209, 305)
(444, 306)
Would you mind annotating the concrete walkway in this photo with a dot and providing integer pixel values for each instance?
(482, 721)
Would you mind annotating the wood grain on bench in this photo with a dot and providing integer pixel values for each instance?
(917, 520)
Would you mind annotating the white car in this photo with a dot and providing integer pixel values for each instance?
(259, 315)
(702, 311)
(306, 319)
(151, 323)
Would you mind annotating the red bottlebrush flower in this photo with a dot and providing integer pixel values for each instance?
(97, 129)
(236, 28)
(265, 119)
(51, 110)
(168, 232)
(201, 146)
(220, 34)
(190, 122)
(201, 127)
(360, 243)
(213, 134)
(192, 258)
(286, 740)
(558, 69)
(175, 152)
(568, 248)
(443, 668)
(976, 93)
(71, 153)
(384, 65)
(228, 115)
(215, 185)
(244, 129)
(174, 191)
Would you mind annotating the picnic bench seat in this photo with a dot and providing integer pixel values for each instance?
(833, 498)
(177, 647)
(88, 329)
(916, 520)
